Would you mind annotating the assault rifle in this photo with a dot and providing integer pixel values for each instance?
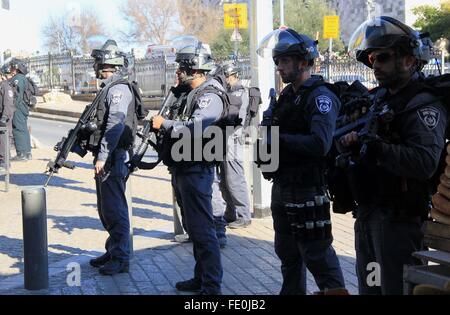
(74, 140)
(367, 128)
(149, 136)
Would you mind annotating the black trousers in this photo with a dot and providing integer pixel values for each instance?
(384, 244)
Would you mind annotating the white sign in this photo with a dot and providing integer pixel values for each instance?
(236, 36)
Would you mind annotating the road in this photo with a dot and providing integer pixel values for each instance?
(50, 132)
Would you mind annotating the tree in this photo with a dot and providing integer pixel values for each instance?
(434, 20)
(150, 21)
(71, 33)
(306, 17)
(201, 19)
(222, 47)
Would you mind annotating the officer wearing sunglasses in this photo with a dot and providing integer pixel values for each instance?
(389, 182)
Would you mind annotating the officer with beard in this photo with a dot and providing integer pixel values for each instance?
(305, 114)
(388, 171)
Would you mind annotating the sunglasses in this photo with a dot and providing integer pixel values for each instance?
(381, 57)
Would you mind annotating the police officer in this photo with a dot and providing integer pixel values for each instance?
(388, 172)
(305, 114)
(20, 120)
(230, 194)
(7, 108)
(111, 144)
(192, 179)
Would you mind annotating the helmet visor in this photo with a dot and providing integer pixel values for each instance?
(376, 33)
(279, 39)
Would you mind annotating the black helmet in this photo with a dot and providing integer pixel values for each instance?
(193, 54)
(386, 32)
(5, 69)
(288, 42)
(231, 69)
(109, 54)
(19, 65)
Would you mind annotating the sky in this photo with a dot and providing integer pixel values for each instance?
(27, 18)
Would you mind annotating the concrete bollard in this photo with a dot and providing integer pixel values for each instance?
(35, 245)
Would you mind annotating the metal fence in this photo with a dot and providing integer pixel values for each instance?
(75, 75)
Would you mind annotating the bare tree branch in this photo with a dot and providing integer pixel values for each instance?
(200, 18)
(150, 21)
(61, 34)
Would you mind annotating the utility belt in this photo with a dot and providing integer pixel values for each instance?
(304, 201)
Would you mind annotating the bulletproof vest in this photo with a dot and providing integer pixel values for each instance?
(176, 111)
(371, 184)
(292, 118)
(131, 121)
(186, 107)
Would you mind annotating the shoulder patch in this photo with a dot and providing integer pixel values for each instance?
(429, 116)
(238, 93)
(324, 104)
(204, 102)
(16, 82)
(116, 97)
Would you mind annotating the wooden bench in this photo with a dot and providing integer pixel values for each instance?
(436, 275)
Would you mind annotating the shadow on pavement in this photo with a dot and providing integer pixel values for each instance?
(68, 224)
(251, 267)
(38, 179)
(150, 214)
(151, 203)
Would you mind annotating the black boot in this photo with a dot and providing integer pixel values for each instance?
(100, 261)
(114, 266)
(192, 285)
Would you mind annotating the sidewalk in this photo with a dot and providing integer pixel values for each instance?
(75, 234)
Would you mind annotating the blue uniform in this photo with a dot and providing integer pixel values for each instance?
(306, 121)
(111, 199)
(192, 182)
(233, 199)
(20, 120)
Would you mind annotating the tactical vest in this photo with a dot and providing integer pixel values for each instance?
(291, 117)
(373, 185)
(131, 121)
(185, 107)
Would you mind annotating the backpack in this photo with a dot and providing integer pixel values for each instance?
(136, 112)
(29, 95)
(233, 103)
(254, 102)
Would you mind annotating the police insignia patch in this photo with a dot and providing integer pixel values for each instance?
(204, 103)
(116, 98)
(429, 116)
(324, 104)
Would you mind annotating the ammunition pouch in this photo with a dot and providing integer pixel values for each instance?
(306, 206)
